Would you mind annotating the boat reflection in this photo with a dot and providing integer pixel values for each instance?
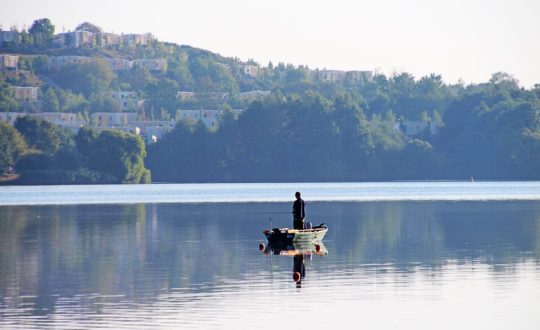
(294, 249)
(299, 252)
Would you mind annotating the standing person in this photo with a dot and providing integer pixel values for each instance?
(298, 212)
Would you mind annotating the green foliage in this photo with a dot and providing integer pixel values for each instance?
(87, 78)
(42, 31)
(87, 26)
(12, 146)
(117, 153)
(7, 102)
(39, 134)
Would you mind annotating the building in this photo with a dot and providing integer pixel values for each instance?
(24, 93)
(251, 96)
(119, 64)
(209, 117)
(59, 61)
(412, 128)
(65, 119)
(186, 96)
(127, 100)
(250, 70)
(112, 119)
(105, 39)
(213, 97)
(11, 117)
(74, 39)
(136, 39)
(151, 131)
(151, 64)
(358, 76)
(9, 62)
(8, 37)
(330, 75)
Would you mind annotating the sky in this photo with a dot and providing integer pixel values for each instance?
(462, 40)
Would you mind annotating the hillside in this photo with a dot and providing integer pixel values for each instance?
(206, 117)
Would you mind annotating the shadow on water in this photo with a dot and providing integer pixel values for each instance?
(95, 252)
(299, 252)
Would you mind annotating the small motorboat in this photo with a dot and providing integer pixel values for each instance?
(288, 235)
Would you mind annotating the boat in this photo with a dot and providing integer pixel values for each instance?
(288, 235)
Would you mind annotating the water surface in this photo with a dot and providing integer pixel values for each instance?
(267, 192)
(389, 264)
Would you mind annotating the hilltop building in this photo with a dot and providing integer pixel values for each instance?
(9, 62)
(127, 100)
(24, 93)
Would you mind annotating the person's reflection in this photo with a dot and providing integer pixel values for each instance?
(299, 269)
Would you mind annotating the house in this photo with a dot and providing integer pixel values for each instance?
(185, 96)
(412, 128)
(104, 39)
(9, 62)
(125, 99)
(119, 64)
(330, 75)
(358, 76)
(253, 96)
(151, 64)
(74, 39)
(10, 117)
(112, 119)
(59, 61)
(151, 131)
(250, 70)
(217, 97)
(8, 37)
(24, 93)
(209, 117)
(71, 121)
(136, 39)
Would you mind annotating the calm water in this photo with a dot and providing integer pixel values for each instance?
(403, 262)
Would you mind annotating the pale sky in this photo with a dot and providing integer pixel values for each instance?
(467, 39)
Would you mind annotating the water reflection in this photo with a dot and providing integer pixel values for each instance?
(299, 252)
(96, 262)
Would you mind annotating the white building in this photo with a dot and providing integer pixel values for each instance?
(118, 64)
(415, 127)
(73, 121)
(253, 95)
(151, 131)
(127, 100)
(250, 70)
(24, 93)
(10, 117)
(10, 62)
(151, 64)
(8, 36)
(59, 61)
(112, 119)
(209, 117)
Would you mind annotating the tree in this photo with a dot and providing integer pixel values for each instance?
(87, 26)
(12, 146)
(42, 31)
(88, 78)
(7, 102)
(39, 134)
(118, 153)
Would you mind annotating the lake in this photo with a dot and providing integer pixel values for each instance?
(413, 255)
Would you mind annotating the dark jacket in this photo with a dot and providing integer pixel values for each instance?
(298, 209)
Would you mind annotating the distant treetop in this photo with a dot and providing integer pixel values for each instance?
(87, 26)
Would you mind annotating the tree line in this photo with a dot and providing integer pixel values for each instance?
(490, 131)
